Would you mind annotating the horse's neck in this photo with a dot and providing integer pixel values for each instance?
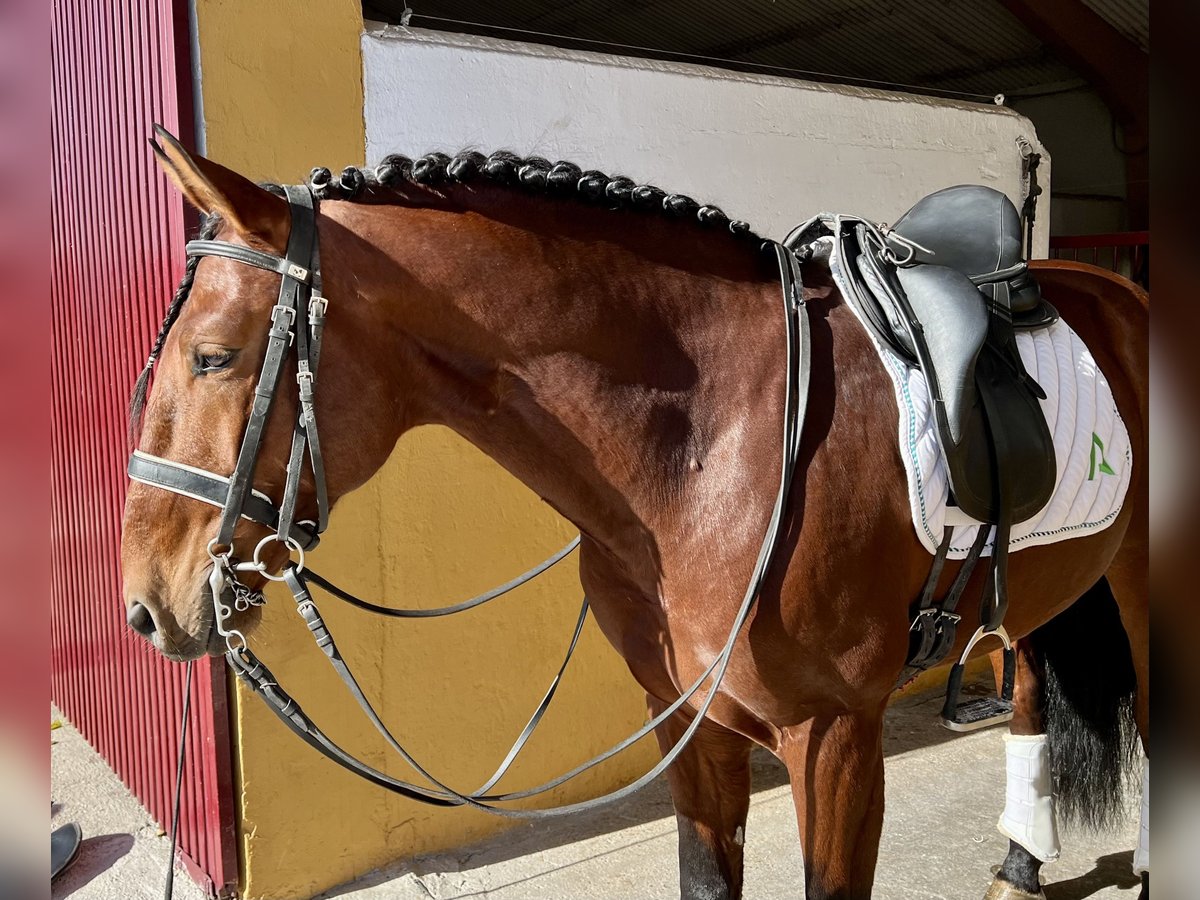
(606, 381)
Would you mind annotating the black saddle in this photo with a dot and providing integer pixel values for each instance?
(946, 288)
(939, 288)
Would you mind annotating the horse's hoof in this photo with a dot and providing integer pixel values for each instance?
(1002, 890)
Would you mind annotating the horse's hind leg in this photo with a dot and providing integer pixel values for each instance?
(1129, 577)
(1076, 680)
(835, 762)
(1018, 877)
(710, 786)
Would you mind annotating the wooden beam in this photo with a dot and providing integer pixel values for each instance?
(1116, 68)
(1114, 65)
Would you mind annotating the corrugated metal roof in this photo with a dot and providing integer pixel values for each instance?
(931, 46)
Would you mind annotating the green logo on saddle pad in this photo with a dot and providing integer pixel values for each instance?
(1105, 468)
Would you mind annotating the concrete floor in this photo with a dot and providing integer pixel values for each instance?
(944, 793)
(123, 855)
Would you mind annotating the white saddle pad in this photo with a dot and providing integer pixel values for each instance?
(1091, 446)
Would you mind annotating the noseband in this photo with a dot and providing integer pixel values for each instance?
(298, 318)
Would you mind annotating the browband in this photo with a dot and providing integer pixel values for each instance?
(250, 257)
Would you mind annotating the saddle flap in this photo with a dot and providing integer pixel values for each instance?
(1025, 455)
(954, 324)
(962, 366)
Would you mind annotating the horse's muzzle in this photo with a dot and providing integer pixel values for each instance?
(179, 646)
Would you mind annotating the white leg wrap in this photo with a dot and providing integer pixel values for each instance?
(1141, 856)
(1028, 816)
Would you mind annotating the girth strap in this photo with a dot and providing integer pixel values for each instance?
(934, 627)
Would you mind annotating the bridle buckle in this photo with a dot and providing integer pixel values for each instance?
(280, 310)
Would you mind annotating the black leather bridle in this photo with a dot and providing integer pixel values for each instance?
(298, 318)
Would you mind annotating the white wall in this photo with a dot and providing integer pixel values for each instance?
(772, 151)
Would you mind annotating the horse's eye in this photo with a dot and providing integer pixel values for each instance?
(213, 360)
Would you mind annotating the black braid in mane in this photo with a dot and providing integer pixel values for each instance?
(531, 174)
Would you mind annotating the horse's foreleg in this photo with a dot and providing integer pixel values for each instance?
(1028, 816)
(835, 762)
(710, 786)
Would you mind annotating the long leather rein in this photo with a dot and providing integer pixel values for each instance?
(298, 318)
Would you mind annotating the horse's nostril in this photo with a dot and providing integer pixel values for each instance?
(140, 620)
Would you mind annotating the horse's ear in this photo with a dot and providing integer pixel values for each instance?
(216, 190)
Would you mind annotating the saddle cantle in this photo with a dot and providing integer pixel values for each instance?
(944, 289)
(976, 231)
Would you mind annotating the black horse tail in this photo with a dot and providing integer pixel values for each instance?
(1088, 692)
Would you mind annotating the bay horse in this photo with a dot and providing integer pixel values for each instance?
(624, 364)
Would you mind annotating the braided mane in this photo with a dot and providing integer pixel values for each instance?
(533, 174)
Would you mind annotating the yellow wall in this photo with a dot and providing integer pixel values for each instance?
(282, 92)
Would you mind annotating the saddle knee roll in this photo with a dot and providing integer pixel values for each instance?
(1028, 816)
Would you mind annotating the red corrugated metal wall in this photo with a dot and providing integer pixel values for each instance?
(118, 233)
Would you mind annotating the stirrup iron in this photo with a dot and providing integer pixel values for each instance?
(982, 712)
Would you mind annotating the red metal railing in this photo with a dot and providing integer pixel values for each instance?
(118, 235)
(1126, 253)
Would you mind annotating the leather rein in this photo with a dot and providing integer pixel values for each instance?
(298, 318)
